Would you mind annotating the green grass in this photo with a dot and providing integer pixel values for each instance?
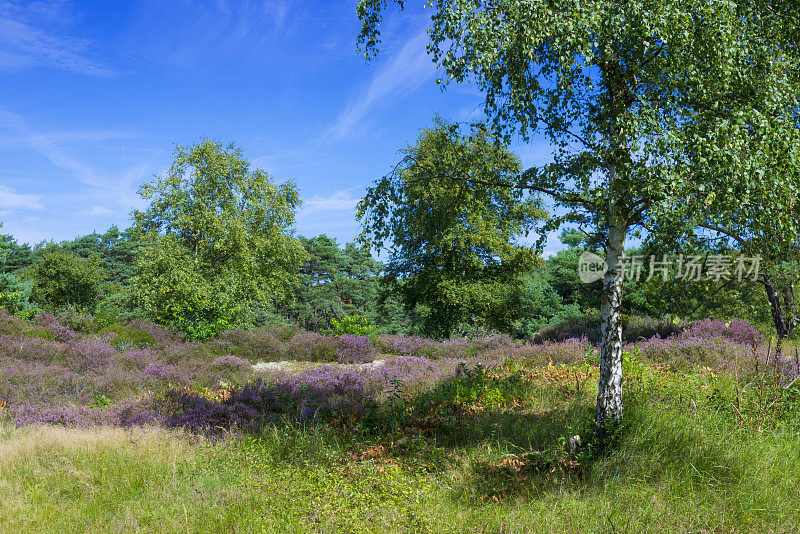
(684, 461)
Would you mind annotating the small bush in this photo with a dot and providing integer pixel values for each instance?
(352, 325)
(77, 320)
(129, 337)
(310, 346)
(261, 345)
(59, 331)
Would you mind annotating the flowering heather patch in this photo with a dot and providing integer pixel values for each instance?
(162, 335)
(494, 342)
(43, 380)
(678, 352)
(88, 354)
(138, 411)
(569, 351)
(165, 372)
(231, 363)
(46, 380)
(10, 324)
(736, 345)
(406, 346)
(318, 393)
(457, 348)
(252, 406)
(60, 332)
(310, 346)
(140, 358)
(29, 348)
(354, 349)
(788, 367)
(449, 348)
(413, 375)
(34, 382)
(737, 331)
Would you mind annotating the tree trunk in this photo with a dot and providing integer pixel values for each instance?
(781, 327)
(609, 396)
(788, 299)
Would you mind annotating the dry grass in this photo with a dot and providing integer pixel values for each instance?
(43, 439)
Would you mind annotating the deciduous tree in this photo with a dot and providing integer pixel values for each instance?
(622, 90)
(452, 212)
(216, 219)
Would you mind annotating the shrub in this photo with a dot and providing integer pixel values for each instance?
(161, 334)
(62, 279)
(354, 349)
(129, 337)
(60, 332)
(15, 296)
(638, 327)
(77, 320)
(256, 345)
(11, 324)
(310, 346)
(406, 346)
(283, 332)
(352, 325)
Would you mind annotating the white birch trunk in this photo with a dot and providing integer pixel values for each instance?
(609, 396)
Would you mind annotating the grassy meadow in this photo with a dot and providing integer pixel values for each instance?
(155, 434)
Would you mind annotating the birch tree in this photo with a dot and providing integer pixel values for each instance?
(453, 213)
(618, 88)
(217, 236)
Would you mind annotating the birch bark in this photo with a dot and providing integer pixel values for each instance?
(609, 396)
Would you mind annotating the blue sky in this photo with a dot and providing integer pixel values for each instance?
(95, 95)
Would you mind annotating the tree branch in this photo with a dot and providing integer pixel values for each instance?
(724, 231)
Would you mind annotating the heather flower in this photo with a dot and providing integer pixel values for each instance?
(354, 349)
(231, 363)
(737, 331)
(60, 332)
(164, 372)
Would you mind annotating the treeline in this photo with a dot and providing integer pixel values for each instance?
(93, 273)
(215, 249)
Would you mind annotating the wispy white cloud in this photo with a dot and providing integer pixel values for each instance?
(97, 211)
(333, 215)
(45, 146)
(103, 188)
(33, 34)
(9, 200)
(341, 200)
(401, 76)
(216, 31)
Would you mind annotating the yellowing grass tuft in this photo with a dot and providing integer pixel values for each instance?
(44, 439)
